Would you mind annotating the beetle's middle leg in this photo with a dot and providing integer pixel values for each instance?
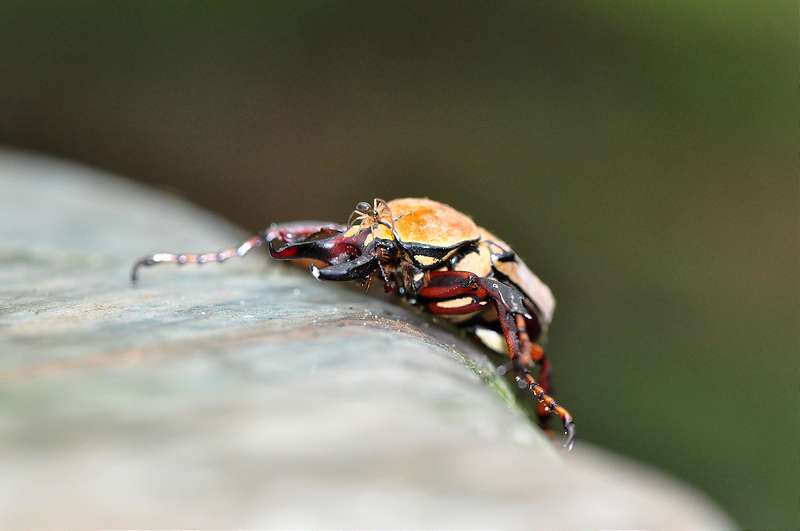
(461, 292)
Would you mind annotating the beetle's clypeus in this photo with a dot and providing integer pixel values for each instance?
(434, 257)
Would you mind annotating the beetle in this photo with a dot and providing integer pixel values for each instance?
(434, 257)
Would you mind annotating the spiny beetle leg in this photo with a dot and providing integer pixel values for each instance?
(285, 232)
(180, 259)
(445, 291)
(327, 245)
(524, 353)
(359, 269)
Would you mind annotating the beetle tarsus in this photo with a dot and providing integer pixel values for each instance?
(569, 434)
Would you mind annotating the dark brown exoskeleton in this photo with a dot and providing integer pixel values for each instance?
(435, 257)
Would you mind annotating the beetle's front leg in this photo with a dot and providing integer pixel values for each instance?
(359, 270)
(285, 232)
(189, 258)
(347, 258)
(462, 292)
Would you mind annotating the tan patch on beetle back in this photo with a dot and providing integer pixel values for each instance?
(479, 262)
(431, 223)
(521, 275)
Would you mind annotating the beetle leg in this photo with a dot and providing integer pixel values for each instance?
(536, 357)
(462, 292)
(359, 269)
(327, 245)
(180, 259)
(287, 232)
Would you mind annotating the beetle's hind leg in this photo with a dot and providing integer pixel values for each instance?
(525, 353)
(541, 386)
(462, 292)
(180, 259)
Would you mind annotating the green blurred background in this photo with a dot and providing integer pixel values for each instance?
(641, 156)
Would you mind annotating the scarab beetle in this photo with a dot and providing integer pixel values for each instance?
(434, 257)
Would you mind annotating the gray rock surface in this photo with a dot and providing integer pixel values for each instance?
(251, 395)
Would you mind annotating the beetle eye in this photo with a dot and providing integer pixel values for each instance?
(363, 207)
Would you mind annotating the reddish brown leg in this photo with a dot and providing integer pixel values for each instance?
(538, 358)
(460, 292)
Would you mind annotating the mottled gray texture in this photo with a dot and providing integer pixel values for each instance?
(250, 395)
